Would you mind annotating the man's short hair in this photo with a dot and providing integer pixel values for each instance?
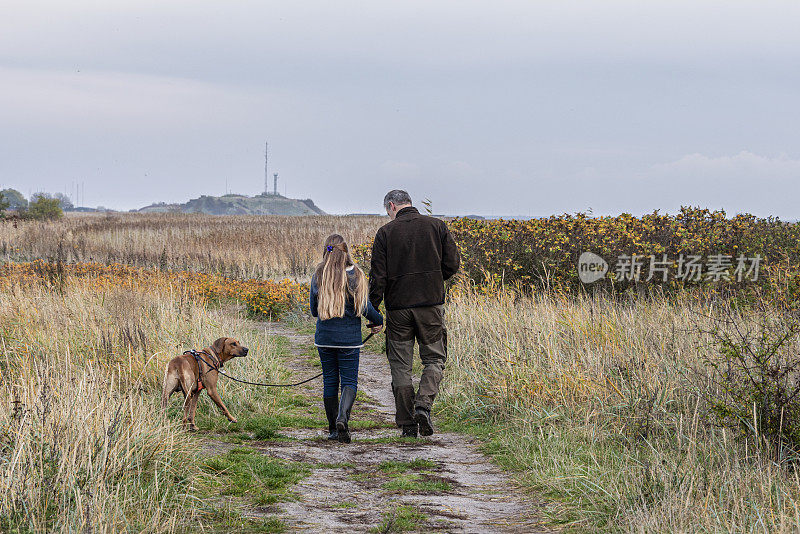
(396, 196)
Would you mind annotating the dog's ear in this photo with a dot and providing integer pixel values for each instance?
(219, 345)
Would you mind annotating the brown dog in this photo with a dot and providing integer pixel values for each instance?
(190, 375)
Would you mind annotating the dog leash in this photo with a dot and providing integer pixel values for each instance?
(197, 355)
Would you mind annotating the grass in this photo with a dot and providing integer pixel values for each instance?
(405, 477)
(256, 426)
(590, 402)
(82, 438)
(595, 407)
(219, 521)
(400, 519)
(393, 466)
(236, 246)
(261, 479)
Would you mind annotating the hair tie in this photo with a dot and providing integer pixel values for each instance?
(330, 248)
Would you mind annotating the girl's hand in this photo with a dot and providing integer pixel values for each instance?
(375, 329)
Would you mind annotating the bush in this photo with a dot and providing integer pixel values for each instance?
(753, 379)
(544, 252)
(44, 207)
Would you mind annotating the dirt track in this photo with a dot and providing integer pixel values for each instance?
(460, 490)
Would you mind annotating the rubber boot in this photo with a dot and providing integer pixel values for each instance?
(410, 431)
(423, 418)
(331, 410)
(345, 405)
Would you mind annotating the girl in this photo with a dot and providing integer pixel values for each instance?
(338, 299)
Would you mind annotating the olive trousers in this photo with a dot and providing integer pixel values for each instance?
(425, 325)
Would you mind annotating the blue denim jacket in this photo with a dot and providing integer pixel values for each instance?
(341, 331)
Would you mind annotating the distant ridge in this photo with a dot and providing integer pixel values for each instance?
(263, 204)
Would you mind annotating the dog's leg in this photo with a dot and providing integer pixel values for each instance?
(192, 408)
(164, 398)
(170, 385)
(187, 403)
(212, 392)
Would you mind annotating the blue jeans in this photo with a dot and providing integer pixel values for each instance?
(338, 365)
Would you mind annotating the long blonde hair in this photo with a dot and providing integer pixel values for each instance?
(331, 279)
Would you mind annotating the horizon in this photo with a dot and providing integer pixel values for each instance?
(506, 216)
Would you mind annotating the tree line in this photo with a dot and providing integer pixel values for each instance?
(40, 206)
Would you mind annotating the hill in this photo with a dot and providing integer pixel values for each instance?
(240, 205)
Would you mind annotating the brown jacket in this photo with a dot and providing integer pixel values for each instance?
(412, 256)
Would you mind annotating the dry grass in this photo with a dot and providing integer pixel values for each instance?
(83, 445)
(235, 246)
(593, 402)
(596, 405)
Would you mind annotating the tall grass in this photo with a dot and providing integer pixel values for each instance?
(597, 405)
(83, 445)
(235, 246)
(595, 402)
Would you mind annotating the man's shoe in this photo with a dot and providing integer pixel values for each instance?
(345, 405)
(410, 431)
(423, 419)
(331, 410)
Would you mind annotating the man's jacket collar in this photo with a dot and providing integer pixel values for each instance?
(407, 211)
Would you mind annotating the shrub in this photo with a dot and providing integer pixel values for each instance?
(544, 252)
(43, 206)
(753, 379)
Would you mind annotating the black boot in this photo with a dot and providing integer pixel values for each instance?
(331, 409)
(345, 405)
(410, 431)
(423, 418)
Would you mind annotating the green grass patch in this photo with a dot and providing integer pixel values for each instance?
(260, 478)
(260, 426)
(392, 466)
(401, 519)
(302, 324)
(228, 520)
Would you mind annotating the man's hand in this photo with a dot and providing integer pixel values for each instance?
(375, 328)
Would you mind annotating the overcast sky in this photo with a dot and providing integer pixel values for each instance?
(494, 108)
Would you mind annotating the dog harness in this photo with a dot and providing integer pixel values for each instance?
(198, 358)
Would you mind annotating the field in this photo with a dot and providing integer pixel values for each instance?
(237, 246)
(613, 412)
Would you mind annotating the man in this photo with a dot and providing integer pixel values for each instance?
(412, 256)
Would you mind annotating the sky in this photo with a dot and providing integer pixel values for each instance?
(493, 108)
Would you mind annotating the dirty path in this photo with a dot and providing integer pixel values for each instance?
(383, 483)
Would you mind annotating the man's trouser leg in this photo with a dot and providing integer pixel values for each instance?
(400, 352)
(432, 338)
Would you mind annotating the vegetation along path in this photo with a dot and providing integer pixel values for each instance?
(380, 482)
